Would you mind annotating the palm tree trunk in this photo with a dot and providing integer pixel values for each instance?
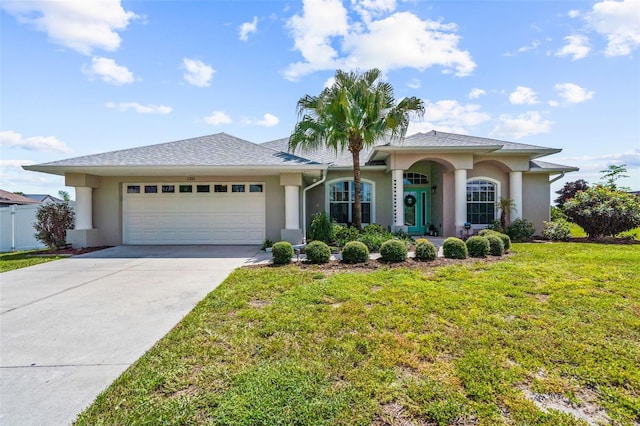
(357, 203)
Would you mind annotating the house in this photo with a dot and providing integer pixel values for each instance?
(9, 198)
(44, 198)
(220, 189)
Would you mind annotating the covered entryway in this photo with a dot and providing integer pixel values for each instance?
(193, 213)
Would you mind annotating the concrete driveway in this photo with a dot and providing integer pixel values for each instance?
(68, 328)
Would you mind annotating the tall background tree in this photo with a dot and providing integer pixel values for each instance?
(357, 111)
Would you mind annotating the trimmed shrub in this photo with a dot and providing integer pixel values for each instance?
(282, 252)
(317, 252)
(343, 234)
(478, 246)
(374, 228)
(425, 250)
(496, 246)
(52, 222)
(321, 228)
(374, 241)
(520, 230)
(393, 251)
(454, 248)
(506, 241)
(355, 252)
(401, 235)
(558, 230)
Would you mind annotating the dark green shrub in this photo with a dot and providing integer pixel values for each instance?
(374, 241)
(496, 246)
(282, 252)
(454, 248)
(321, 228)
(355, 252)
(393, 251)
(557, 213)
(425, 250)
(495, 226)
(558, 230)
(478, 246)
(343, 234)
(374, 228)
(52, 222)
(603, 211)
(317, 252)
(402, 235)
(506, 241)
(520, 230)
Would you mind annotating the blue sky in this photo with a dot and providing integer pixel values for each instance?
(82, 77)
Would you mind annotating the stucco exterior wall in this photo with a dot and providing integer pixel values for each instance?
(493, 171)
(536, 203)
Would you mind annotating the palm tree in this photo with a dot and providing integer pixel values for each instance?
(506, 206)
(357, 111)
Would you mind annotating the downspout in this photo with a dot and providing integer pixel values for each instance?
(323, 177)
(557, 178)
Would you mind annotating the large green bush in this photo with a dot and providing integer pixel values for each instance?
(478, 246)
(374, 241)
(52, 222)
(282, 252)
(520, 230)
(345, 234)
(393, 251)
(355, 252)
(454, 248)
(496, 246)
(506, 241)
(317, 252)
(321, 228)
(425, 250)
(603, 211)
(374, 228)
(557, 230)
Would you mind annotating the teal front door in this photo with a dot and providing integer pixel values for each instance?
(416, 210)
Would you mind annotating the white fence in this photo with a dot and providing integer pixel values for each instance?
(16, 228)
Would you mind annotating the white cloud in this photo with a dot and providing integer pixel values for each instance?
(523, 95)
(11, 139)
(248, 28)
(326, 41)
(448, 116)
(521, 125)
(268, 120)
(630, 158)
(110, 72)
(139, 108)
(534, 45)
(330, 82)
(79, 25)
(16, 163)
(197, 72)
(476, 93)
(573, 13)
(217, 118)
(577, 46)
(572, 93)
(414, 83)
(619, 22)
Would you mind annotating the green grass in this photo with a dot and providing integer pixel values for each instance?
(578, 232)
(447, 345)
(21, 259)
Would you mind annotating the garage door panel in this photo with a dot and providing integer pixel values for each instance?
(194, 218)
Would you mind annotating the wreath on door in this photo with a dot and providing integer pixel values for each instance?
(409, 200)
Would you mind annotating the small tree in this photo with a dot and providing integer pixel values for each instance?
(52, 222)
(603, 211)
(569, 190)
(506, 206)
(64, 195)
(611, 174)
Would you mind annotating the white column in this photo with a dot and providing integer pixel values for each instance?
(515, 193)
(460, 197)
(397, 177)
(84, 207)
(292, 206)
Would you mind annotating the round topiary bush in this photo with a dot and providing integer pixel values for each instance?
(496, 246)
(454, 248)
(393, 251)
(317, 252)
(355, 252)
(506, 241)
(425, 250)
(282, 252)
(478, 246)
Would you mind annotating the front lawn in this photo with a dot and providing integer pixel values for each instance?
(22, 259)
(554, 325)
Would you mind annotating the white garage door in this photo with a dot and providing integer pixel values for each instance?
(194, 213)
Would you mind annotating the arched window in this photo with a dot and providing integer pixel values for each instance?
(481, 201)
(340, 196)
(411, 178)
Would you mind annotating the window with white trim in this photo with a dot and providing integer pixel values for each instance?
(481, 201)
(341, 195)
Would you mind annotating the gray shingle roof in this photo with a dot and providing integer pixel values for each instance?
(325, 156)
(544, 166)
(444, 139)
(220, 149)
(7, 198)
